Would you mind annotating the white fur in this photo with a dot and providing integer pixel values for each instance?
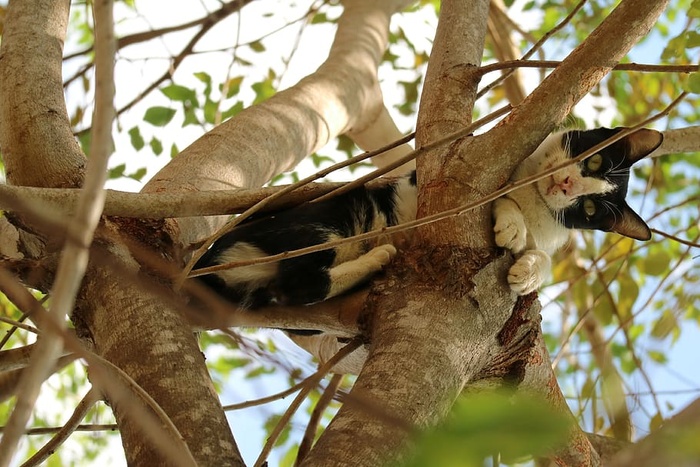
(524, 223)
(346, 275)
(256, 275)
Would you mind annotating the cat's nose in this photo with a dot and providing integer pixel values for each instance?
(566, 185)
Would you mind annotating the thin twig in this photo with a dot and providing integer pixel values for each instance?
(444, 214)
(315, 419)
(534, 48)
(49, 430)
(73, 262)
(645, 67)
(19, 325)
(68, 428)
(161, 430)
(312, 382)
(415, 153)
(676, 239)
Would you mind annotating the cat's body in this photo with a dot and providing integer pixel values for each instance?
(316, 276)
(533, 222)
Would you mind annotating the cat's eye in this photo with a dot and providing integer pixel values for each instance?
(589, 207)
(594, 162)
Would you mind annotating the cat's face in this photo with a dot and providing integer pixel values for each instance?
(591, 194)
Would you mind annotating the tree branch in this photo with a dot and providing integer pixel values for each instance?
(32, 105)
(669, 445)
(275, 135)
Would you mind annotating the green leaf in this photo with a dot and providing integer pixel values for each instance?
(664, 326)
(156, 146)
(656, 263)
(203, 77)
(116, 172)
(319, 18)
(191, 117)
(694, 11)
(174, 151)
(210, 110)
(136, 139)
(233, 86)
(179, 93)
(345, 145)
(263, 90)
(658, 357)
(693, 84)
(138, 175)
(318, 159)
(692, 39)
(257, 46)
(484, 424)
(206, 79)
(656, 422)
(159, 116)
(675, 48)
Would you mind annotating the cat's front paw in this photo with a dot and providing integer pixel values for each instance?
(511, 232)
(529, 272)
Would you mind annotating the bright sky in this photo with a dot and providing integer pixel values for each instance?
(133, 73)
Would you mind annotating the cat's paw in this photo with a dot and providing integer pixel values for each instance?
(529, 272)
(510, 231)
(381, 255)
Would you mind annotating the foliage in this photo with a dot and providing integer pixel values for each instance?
(481, 425)
(640, 301)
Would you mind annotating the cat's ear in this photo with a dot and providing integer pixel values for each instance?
(641, 143)
(631, 225)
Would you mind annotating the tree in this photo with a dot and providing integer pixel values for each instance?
(442, 302)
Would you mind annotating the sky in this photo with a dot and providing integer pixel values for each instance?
(132, 73)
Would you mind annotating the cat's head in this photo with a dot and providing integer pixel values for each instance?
(591, 194)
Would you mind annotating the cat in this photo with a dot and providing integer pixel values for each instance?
(532, 222)
(320, 275)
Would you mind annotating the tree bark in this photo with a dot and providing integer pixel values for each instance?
(423, 346)
(33, 111)
(429, 341)
(275, 135)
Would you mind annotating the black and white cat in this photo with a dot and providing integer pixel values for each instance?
(532, 222)
(317, 276)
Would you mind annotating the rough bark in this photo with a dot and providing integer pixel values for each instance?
(273, 136)
(266, 139)
(144, 333)
(449, 334)
(34, 112)
(423, 346)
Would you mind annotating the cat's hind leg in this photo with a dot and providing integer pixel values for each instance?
(347, 275)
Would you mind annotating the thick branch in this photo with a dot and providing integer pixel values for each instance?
(32, 106)
(671, 445)
(421, 356)
(523, 130)
(275, 135)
